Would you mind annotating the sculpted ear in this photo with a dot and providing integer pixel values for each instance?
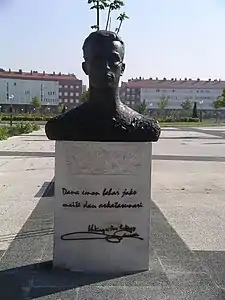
(84, 67)
(122, 69)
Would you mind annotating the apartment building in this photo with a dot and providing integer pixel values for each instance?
(150, 91)
(18, 88)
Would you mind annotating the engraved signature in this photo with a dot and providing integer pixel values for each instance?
(116, 235)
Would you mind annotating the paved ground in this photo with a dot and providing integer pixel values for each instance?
(187, 256)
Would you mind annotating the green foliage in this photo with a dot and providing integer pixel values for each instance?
(121, 18)
(85, 96)
(163, 102)
(186, 106)
(98, 5)
(142, 108)
(20, 128)
(180, 120)
(36, 103)
(25, 117)
(114, 5)
(219, 102)
(3, 133)
(62, 108)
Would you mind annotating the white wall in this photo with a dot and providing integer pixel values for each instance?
(25, 90)
(176, 97)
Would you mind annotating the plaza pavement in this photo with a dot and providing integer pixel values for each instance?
(187, 255)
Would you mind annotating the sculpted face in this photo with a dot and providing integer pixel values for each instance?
(104, 63)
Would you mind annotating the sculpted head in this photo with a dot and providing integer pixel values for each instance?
(103, 54)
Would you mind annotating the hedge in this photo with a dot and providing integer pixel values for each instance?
(182, 119)
(20, 128)
(39, 117)
(26, 117)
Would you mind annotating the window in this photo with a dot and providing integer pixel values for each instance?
(71, 94)
(60, 93)
(65, 86)
(133, 102)
(128, 90)
(133, 97)
(65, 94)
(71, 100)
(60, 101)
(77, 101)
(77, 94)
(128, 102)
(65, 100)
(71, 86)
(60, 86)
(77, 87)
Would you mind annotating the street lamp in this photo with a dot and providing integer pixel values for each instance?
(11, 97)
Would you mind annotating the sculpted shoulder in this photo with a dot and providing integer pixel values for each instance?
(139, 127)
(90, 123)
(60, 127)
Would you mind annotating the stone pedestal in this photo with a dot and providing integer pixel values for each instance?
(102, 206)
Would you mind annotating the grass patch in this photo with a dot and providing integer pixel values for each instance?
(19, 128)
(189, 124)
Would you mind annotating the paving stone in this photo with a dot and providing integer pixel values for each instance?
(103, 293)
(214, 264)
(194, 286)
(149, 293)
(176, 271)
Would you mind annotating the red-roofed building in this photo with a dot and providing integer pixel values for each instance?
(19, 88)
(175, 90)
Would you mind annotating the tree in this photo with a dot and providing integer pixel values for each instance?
(62, 108)
(195, 111)
(186, 106)
(223, 98)
(36, 103)
(85, 96)
(219, 103)
(142, 108)
(114, 5)
(98, 5)
(162, 104)
(122, 17)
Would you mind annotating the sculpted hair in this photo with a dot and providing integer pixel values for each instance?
(98, 37)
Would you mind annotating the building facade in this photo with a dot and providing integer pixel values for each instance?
(130, 96)
(175, 91)
(70, 92)
(19, 88)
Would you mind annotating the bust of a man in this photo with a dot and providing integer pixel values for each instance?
(103, 117)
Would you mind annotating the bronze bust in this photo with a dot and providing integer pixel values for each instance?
(103, 117)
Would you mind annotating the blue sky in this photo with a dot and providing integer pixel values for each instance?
(164, 38)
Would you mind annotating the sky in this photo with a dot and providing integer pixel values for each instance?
(163, 38)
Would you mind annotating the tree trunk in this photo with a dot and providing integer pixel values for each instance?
(120, 26)
(98, 16)
(108, 18)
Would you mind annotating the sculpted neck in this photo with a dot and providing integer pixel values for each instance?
(108, 98)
